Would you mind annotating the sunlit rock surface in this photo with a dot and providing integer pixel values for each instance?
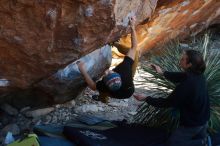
(176, 19)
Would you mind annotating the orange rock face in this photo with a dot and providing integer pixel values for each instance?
(176, 19)
(38, 37)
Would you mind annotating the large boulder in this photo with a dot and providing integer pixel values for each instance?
(40, 37)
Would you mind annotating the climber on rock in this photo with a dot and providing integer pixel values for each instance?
(116, 83)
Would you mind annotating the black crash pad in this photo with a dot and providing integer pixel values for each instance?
(128, 135)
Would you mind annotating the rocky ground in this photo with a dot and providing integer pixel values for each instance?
(18, 121)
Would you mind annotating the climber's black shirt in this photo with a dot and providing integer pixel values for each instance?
(127, 87)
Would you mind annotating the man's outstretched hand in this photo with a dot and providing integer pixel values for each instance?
(156, 68)
(140, 97)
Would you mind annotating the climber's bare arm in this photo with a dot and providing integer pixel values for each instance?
(132, 51)
(86, 76)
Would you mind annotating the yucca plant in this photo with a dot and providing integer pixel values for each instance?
(169, 60)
